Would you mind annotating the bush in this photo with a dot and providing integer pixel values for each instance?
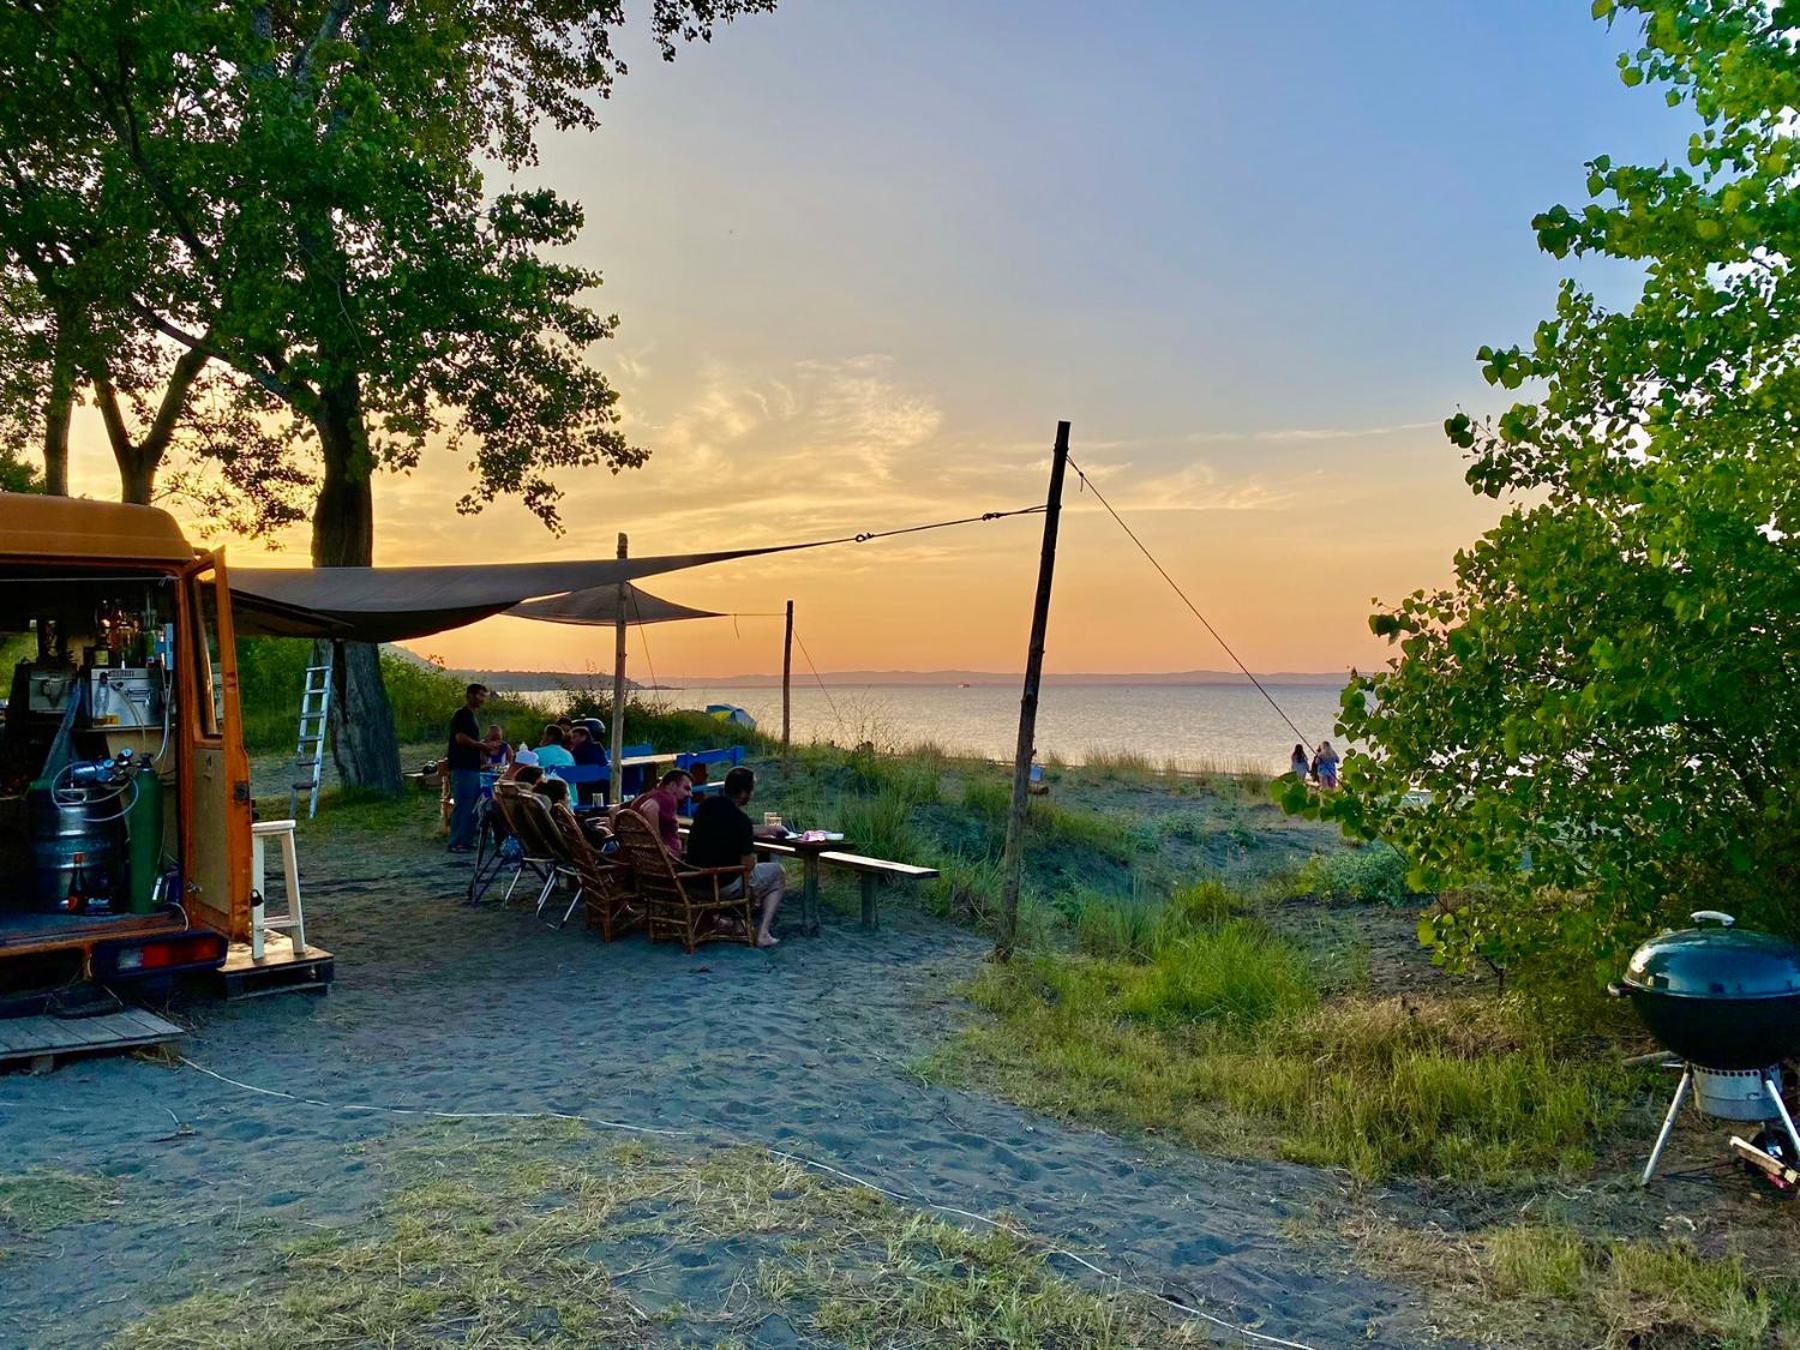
(881, 826)
(1371, 872)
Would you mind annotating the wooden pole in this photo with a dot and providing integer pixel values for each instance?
(787, 676)
(616, 773)
(1028, 701)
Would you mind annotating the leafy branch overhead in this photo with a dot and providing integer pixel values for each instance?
(1597, 726)
(293, 194)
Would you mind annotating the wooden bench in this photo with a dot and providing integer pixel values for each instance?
(871, 870)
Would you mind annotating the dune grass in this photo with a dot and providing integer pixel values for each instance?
(1548, 1282)
(1191, 1020)
(542, 1234)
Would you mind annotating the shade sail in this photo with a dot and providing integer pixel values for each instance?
(389, 604)
(599, 606)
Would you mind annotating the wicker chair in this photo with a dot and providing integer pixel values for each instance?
(607, 891)
(676, 898)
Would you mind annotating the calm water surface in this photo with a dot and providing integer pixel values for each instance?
(1191, 723)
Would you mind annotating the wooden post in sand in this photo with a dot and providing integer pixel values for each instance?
(787, 676)
(616, 773)
(1028, 701)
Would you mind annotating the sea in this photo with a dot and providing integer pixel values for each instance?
(1223, 726)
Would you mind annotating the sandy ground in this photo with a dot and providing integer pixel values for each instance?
(448, 1008)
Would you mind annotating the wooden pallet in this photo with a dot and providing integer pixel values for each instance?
(41, 1042)
(281, 971)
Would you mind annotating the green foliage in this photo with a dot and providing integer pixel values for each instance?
(1599, 721)
(1372, 872)
(272, 672)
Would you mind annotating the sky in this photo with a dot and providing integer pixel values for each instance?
(867, 253)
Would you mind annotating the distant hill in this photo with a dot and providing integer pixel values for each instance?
(547, 679)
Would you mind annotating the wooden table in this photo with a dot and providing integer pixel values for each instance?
(807, 851)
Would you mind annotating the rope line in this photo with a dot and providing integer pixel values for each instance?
(810, 1164)
(1088, 485)
(818, 679)
(643, 637)
(985, 516)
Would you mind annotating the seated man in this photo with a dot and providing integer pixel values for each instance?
(662, 804)
(553, 753)
(723, 836)
(586, 751)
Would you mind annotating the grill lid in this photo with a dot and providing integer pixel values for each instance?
(1715, 959)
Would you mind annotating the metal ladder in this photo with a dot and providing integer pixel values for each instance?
(309, 753)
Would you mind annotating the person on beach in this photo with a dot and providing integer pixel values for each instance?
(1299, 764)
(662, 804)
(1325, 766)
(723, 836)
(553, 751)
(464, 761)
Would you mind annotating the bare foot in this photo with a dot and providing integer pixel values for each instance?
(765, 940)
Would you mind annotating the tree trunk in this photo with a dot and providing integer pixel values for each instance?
(57, 408)
(362, 723)
(137, 481)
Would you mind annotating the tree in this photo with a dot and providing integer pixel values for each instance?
(314, 170)
(1596, 727)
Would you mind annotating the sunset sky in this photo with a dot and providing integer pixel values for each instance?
(866, 254)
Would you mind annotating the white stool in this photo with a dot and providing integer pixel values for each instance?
(293, 921)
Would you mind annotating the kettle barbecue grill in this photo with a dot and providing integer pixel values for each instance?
(1726, 1000)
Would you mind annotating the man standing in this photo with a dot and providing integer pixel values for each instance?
(465, 756)
(723, 836)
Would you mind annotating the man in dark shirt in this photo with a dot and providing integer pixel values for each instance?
(465, 757)
(586, 751)
(723, 836)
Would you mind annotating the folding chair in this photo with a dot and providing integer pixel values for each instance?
(535, 854)
(536, 820)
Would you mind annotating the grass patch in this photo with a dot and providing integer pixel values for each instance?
(1552, 1284)
(542, 1234)
(32, 1203)
(1220, 1042)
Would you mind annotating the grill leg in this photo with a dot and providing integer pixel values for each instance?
(1668, 1125)
(1774, 1094)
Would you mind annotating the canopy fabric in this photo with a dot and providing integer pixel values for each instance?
(599, 606)
(389, 604)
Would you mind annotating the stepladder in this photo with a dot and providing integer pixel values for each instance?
(309, 751)
(293, 920)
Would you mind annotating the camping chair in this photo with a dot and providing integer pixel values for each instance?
(606, 886)
(537, 820)
(675, 897)
(495, 846)
(534, 854)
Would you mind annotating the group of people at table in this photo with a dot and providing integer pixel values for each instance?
(722, 833)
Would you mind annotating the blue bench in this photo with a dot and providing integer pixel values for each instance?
(710, 758)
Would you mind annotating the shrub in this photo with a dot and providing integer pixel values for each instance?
(1371, 872)
(881, 825)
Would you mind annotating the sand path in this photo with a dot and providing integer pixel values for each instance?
(804, 1049)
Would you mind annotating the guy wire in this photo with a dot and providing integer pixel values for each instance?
(1088, 484)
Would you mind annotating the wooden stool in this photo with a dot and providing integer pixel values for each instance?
(293, 921)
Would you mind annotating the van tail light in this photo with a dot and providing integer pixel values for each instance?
(136, 958)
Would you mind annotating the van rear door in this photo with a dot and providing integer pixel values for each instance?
(215, 786)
